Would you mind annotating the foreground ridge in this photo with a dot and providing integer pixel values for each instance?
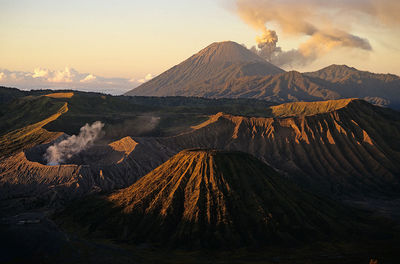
(210, 198)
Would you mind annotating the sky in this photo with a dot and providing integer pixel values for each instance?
(113, 46)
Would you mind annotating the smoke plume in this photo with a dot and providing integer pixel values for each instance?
(325, 25)
(65, 149)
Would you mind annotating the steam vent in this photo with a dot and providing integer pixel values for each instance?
(209, 199)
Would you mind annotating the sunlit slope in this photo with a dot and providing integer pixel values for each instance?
(308, 108)
(211, 199)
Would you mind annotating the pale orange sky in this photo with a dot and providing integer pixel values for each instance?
(131, 39)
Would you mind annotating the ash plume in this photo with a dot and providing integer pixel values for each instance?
(325, 25)
(65, 149)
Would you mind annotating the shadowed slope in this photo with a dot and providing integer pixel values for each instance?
(208, 198)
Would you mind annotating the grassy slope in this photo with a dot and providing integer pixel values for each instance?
(30, 135)
(25, 111)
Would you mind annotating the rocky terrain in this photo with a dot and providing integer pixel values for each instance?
(211, 199)
(341, 148)
(346, 149)
(27, 183)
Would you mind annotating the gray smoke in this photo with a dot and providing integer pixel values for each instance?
(323, 25)
(65, 149)
(318, 44)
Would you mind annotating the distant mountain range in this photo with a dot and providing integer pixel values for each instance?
(229, 70)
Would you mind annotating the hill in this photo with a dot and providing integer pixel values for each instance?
(220, 60)
(210, 199)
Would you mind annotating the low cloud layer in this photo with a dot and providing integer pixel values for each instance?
(325, 25)
(68, 78)
(65, 149)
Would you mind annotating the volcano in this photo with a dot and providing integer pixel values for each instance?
(210, 199)
(220, 61)
(229, 70)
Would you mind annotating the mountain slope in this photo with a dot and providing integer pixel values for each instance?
(342, 148)
(222, 60)
(381, 89)
(210, 199)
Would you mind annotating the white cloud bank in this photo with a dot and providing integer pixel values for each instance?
(68, 78)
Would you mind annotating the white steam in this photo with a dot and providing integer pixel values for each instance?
(65, 149)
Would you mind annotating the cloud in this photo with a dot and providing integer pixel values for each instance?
(148, 77)
(68, 78)
(88, 78)
(68, 75)
(325, 25)
(39, 73)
